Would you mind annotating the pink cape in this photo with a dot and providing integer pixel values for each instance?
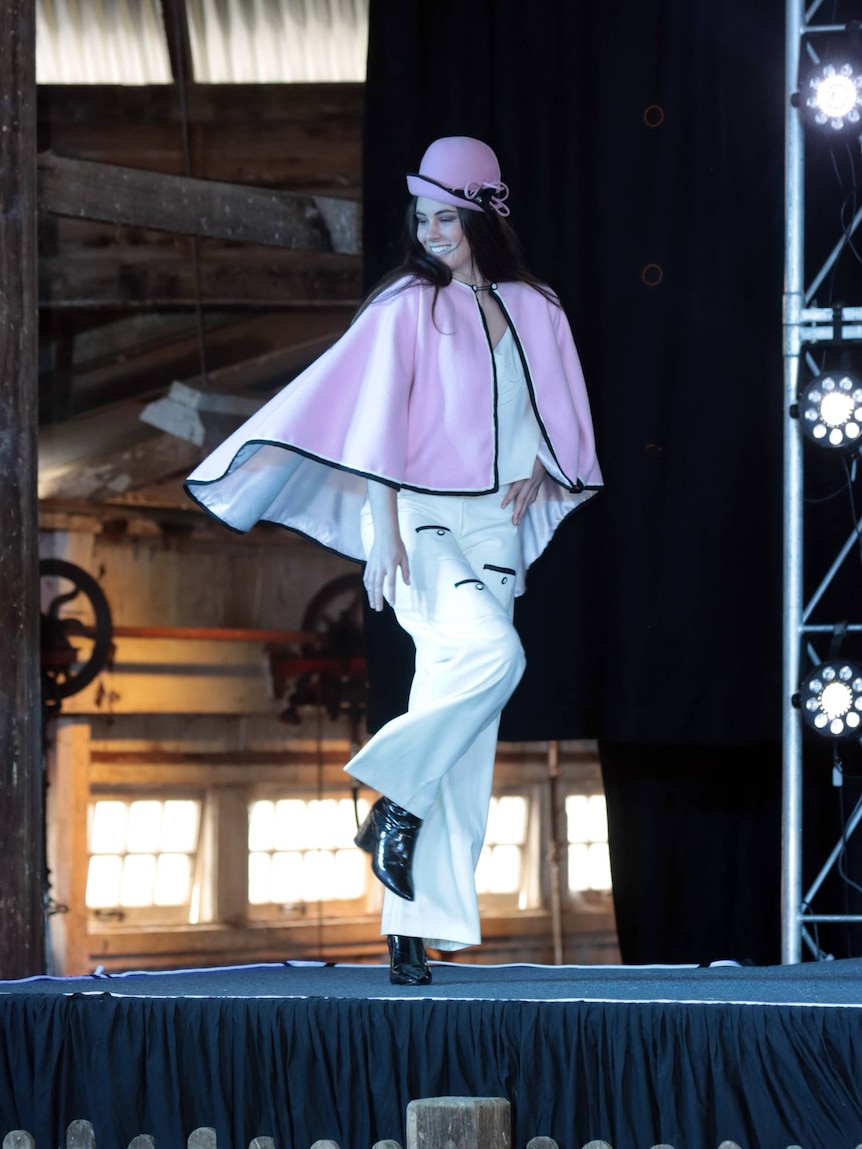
(407, 396)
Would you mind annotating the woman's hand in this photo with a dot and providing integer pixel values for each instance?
(523, 492)
(387, 554)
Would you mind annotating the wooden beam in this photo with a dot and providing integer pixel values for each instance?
(204, 412)
(199, 415)
(85, 190)
(149, 518)
(130, 358)
(138, 278)
(324, 108)
(22, 855)
(220, 634)
(116, 473)
(212, 758)
(164, 495)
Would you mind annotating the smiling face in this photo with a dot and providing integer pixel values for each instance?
(439, 230)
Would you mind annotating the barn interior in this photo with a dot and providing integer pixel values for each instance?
(202, 176)
(195, 196)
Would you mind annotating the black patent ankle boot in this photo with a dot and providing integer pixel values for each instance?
(388, 834)
(407, 962)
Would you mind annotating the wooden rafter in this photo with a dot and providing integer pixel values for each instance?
(119, 472)
(128, 359)
(85, 190)
(110, 454)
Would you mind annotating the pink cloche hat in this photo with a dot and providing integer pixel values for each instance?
(461, 171)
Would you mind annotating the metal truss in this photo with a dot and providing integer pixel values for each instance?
(805, 327)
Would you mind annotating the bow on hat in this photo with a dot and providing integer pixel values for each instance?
(481, 192)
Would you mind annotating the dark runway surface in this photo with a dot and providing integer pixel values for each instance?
(834, 983)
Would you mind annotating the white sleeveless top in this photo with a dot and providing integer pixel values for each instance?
(518, 432)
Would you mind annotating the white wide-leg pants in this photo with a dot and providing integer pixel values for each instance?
(437, 760)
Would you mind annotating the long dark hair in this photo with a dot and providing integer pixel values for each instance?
(496, 254)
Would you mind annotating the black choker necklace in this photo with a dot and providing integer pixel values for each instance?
(474, 286)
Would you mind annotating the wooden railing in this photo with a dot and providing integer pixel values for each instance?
(456, 1122)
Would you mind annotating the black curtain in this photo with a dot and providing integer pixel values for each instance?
(643, 145)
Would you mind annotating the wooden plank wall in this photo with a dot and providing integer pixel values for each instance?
(297, 137)
(303, 138)
(126, 310)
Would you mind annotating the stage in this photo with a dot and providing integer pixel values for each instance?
(767, 1057)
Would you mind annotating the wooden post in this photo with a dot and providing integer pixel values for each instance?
(204, 1138)
(18, 1139)
(555, 850)
(67, 798)
(80, 1135)
(21, 798)
(459, 1123)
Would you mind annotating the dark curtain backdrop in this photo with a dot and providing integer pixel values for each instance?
(643, 146)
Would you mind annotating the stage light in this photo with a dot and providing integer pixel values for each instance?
(833, 95)
(831, 699)
(830, 79)
(830, 410)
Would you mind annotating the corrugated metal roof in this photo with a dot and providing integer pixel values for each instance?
(101, 42)
(277, 41)
(232, 41)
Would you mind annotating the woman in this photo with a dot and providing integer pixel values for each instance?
(441, 440)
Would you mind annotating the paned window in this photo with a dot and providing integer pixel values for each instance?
(302, 851)
(142, 857)
(587, 825)
(502, 868)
